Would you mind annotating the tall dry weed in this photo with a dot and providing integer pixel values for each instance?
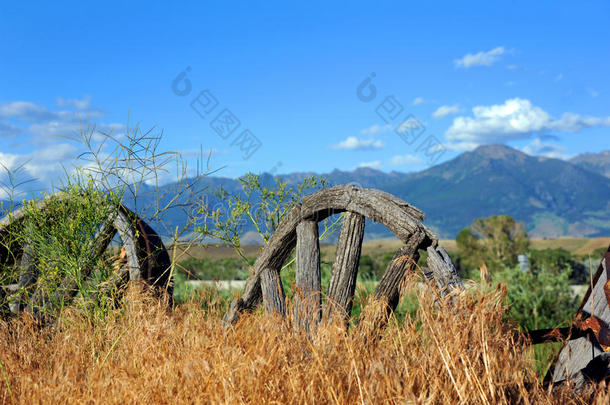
(146, 353)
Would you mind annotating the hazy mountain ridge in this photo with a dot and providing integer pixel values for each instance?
(552, 197)
(595, 162)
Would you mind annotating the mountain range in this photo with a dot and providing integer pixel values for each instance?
(595, 162)
(552, 197)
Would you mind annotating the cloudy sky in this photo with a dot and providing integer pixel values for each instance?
(269, 86)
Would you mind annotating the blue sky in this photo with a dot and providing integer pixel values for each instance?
(276, 84)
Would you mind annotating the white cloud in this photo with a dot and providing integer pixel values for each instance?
(39, 124)
(40, 168)
(8, 160)
(28, 129)
(480, 59)
(515, 119)
(400, 160)
(376, 164)
(418, 101)
(376, 129)
(353, 143)
(514, 67)
(559, 77)
(539, 148)
(26, 111)
(81, 104)
(45, 130)
(45, 164)
(445, 110)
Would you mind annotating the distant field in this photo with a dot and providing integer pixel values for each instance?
(577, 246)
(574, 245)
(184, 252)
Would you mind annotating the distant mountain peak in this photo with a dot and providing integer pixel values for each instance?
(367, 171)
(595, 162)
(498, 151)
(585, 156)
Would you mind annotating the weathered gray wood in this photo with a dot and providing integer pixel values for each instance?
(27, 277)
(443, 270)
(308, 294)
(273, 292)
(375, 315)
(578, 353)
(400, 217)
(342, 285)
(596, 371)
(275, 253)
(125, 228)
(404, 261)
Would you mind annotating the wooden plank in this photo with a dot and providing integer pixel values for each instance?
(27, 277)
(273, 292)
(342, 284)
(443, 270)
(578, 353)
(400, 217)
(404, 261)
(124, 225)
(387, 294)
(308, 294)
(274, 255)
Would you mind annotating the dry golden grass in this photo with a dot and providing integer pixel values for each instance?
(146, 353)
(580, 246)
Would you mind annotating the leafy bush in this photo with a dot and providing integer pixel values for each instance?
(58, 242)
(538, 300)
(260, 205)
(55, 252)
(557, 260)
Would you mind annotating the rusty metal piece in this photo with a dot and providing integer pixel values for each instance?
(598, 327)
(549, 335)
(587, 340)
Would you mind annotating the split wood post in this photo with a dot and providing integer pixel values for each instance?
(342, 286)
(308, 294)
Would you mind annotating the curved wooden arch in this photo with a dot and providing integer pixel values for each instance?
(146, 257)
(300, 229)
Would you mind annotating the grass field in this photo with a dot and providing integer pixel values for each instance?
(147, 353)
(573, 245)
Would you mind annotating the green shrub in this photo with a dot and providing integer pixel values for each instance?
(58, 241)
(557, 260)
(538, 300)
